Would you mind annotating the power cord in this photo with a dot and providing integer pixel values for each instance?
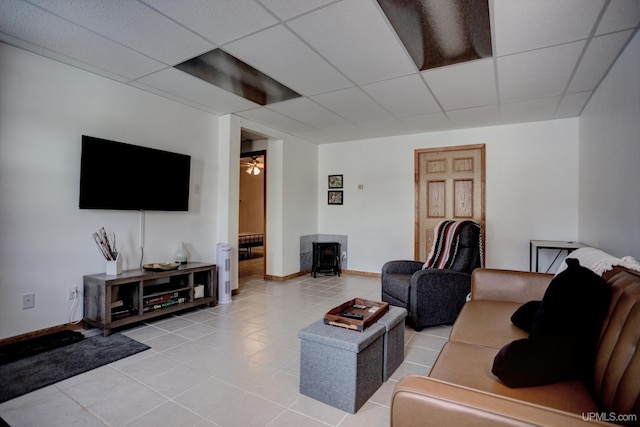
(74, 305)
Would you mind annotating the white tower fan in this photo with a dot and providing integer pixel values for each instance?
(223, 260)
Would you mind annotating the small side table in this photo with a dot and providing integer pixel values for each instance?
(536, 245)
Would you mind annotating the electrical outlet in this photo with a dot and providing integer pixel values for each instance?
(72, 293)
(344, 254)
(28, 300)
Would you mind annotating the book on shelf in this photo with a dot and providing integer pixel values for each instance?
(159, 299)
(116, 304)
(164, 304)
(121, 312)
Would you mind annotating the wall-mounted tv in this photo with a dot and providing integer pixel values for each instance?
(115, 175)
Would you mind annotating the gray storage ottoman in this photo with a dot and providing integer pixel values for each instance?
(341, 367)
(393, 342)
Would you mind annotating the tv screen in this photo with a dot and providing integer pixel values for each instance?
(114, 175)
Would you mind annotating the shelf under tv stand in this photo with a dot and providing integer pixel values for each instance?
(107, 297)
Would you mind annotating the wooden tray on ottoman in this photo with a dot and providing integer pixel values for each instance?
(372, 311)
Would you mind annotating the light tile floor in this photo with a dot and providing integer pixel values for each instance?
(230, 365)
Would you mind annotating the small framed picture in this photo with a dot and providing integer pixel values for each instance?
(335, 181)
(335, 197)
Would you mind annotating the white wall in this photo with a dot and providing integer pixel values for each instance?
(610, 160)
(46, 245)
(300, 213)
(531, 191)
(291, 196)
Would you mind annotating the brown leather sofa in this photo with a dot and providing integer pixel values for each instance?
(460, 389)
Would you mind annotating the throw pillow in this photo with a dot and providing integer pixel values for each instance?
(564, 332)
(523, 317)
(575, 303)
(530, 362)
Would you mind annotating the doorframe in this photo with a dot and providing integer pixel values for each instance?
(264, 205)
(416, 159)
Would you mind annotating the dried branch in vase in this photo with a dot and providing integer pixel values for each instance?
(106, 246)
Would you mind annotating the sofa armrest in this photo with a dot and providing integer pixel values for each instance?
(508, 285)
(422, 402)
(401, 267)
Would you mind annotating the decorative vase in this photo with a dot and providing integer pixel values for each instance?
(181, 254)
(114, 267)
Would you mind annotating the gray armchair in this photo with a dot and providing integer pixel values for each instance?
(435, 296)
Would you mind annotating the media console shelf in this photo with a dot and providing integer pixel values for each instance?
(137, 295)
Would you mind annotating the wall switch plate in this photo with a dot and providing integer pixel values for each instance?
(28, 300)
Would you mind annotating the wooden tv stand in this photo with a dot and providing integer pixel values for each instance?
(138, 295)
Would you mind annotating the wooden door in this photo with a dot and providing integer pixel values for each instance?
(450, 184)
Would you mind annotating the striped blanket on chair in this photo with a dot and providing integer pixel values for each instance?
(445, 244)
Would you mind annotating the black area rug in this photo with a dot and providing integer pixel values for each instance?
(19, 350)
(34, 372)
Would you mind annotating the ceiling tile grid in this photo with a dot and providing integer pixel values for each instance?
(528, 25)
(218, 21)
(538, 73)
(403, 96)
(183, 85)
(619, 15)
(132, 24)
(356, 78)
(470, 84)
(309, 112)
(34, 26)
(281, 55)
(356, 38)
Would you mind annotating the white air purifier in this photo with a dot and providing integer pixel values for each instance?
(223, 265)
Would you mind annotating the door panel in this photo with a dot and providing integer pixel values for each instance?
(449, 184)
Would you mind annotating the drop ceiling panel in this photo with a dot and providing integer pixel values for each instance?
(526, 25)
(355, 37)
(477, 116)
(217, 21)
(620, 15)
(33, 25)
(62, 58)
(426, 122)
(471, 84)
(403, 96)
(572, 105)
(353, 105)
(162, 38)
(306, 111)
(337, 134)
(596, 61)
(379, 128)
(342, 55)
(537, 74)
(180, 99)
(529, 111)
(287, 9)
(271, 118)
(281, 55)
(185, 86)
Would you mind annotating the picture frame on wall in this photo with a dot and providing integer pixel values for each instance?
(335, 181)
(335, 197)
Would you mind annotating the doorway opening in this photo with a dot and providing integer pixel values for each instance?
(252, 205)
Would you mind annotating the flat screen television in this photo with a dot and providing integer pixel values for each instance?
(115, 175)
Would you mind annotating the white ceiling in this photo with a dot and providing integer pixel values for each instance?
(356, 78)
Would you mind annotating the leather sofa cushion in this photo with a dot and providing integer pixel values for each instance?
(487, 323)
(470, 365)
